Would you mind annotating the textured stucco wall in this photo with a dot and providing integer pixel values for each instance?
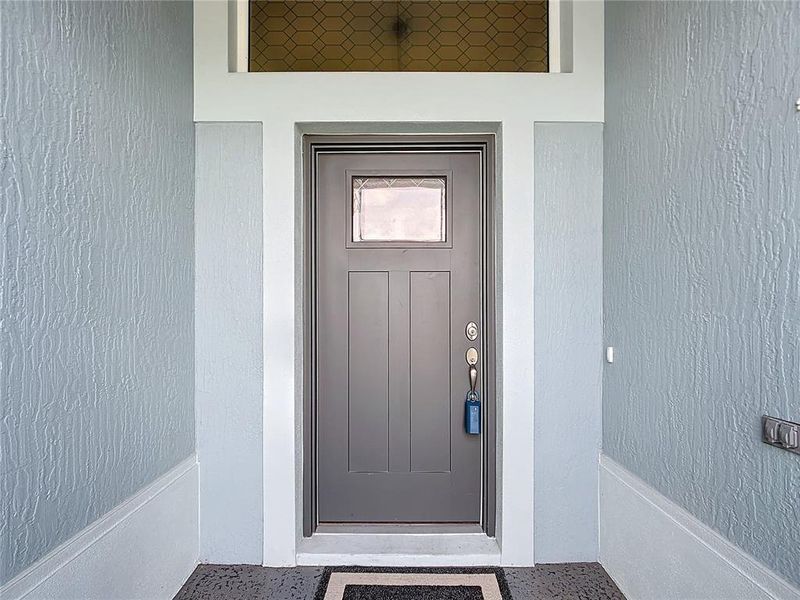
(97, 273)
(568, 284)
(702, 260)
(229, 380)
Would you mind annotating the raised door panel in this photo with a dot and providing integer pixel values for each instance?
(368, 372)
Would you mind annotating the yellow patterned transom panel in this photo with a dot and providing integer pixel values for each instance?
(410, 35)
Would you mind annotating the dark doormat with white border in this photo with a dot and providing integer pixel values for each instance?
(413, 583)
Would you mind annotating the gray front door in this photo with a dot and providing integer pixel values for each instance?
(397, 280)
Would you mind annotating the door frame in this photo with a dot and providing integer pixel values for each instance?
(482, 144)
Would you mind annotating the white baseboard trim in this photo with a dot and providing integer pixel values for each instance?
(144, 548)
(656, 550)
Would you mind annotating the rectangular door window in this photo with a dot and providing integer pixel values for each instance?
(399, 209)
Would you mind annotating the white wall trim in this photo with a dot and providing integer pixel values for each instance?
(559, 36)
(554, 35)
(238, 36)
(656, 550)
(145, 547)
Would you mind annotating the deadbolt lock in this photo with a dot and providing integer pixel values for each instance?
(471, 331)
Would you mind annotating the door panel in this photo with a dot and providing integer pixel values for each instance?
(399, 382)
(368, 370)
(430, 371)
(390, 371)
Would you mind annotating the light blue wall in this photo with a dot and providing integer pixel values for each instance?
(97, 273)
(568, 280)
(702, 260)
(229, 377)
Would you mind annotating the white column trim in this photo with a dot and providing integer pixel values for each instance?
(515, 336)
(238, 36)
(283, 353)
(554, 35)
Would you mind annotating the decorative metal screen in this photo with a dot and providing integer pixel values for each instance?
(409, 35)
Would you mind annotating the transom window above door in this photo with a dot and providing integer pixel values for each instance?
(398, 35)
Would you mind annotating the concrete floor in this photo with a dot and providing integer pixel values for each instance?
(574, 581)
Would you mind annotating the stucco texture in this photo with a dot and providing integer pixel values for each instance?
(96, 367)
(702, 260)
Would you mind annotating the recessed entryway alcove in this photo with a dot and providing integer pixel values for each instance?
(504, 105)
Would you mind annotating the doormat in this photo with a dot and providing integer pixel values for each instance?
(413, 583)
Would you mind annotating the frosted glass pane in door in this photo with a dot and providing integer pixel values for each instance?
(399, 209)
